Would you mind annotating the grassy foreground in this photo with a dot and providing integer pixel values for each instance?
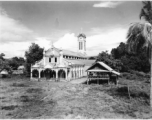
(21, 98)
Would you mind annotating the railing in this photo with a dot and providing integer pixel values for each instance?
(101, 77)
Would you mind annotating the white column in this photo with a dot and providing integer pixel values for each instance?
(78, 72)
(31, 72)
(66, 74)
(74, 74)
(61, 57)
(44, 56)
(56, 74)
(39, 73)
(82, 71)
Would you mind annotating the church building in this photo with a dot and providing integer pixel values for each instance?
(63, 65)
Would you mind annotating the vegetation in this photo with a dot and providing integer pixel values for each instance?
(22, 98)
(131, 60)
(10, 64)
(109, 60)
(140, 35)
(34, 53)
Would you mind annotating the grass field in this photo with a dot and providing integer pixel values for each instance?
(22, 98)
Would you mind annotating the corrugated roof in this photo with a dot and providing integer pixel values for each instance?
(4, 72)
(106, 67)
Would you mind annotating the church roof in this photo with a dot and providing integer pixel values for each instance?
(72, 53)
(80, 62)
(82, 35)
(66, 52)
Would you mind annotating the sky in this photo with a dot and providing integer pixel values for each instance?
(105, 24)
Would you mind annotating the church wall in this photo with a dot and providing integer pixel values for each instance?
(52, 60)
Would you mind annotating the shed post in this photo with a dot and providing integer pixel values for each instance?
(31, 72)
(87, 78)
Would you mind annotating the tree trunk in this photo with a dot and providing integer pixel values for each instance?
(151, 79)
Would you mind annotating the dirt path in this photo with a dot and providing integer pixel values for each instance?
(79, 81)
(31, 99)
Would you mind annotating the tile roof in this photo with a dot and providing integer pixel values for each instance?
(72, 53)
(65, 52)
(80, 61)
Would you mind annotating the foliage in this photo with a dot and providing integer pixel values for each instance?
(109, 60)
(4, 63)
(15, 62)
(146, 11)
(92, 58)
(131, 60)
(34, 53)
(139, 33)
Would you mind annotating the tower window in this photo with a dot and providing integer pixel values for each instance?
(55, 59)
(79, 46)
(49, 59)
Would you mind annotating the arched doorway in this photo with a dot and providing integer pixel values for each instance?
(48, 73)
(61, 74)
(35, 73)
(68, 73)
(42, 74)
(53, 74)
(72, 75)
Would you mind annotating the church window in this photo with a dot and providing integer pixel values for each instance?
(49, 59)
(80, 45)
(55, 59)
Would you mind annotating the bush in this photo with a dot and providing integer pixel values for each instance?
(135, 92)
(141, 74)
(130, 76)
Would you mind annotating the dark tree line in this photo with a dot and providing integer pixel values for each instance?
(123, 60)
(10, 64)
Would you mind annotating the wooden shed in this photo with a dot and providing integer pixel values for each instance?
(100, 71)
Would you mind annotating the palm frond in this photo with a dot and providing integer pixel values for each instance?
(138, 37)
(146, 11)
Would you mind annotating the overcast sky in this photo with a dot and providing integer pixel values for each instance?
(104, 23)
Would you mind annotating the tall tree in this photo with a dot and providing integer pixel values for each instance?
(15, 62)
(4, 63)
(35, 53)
(109, 60)
(140, 35)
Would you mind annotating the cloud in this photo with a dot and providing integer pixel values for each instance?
(43, 42)
(12, 49)
(107, 4)
(68, 41)
(12, 30)
(94, 43)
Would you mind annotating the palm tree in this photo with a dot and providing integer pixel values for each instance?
(140, 35)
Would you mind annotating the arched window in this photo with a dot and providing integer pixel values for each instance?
(35, 73)
(55, 59)
(61, 74)
(49, 59)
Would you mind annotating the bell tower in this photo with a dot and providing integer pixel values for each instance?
(82, 43)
